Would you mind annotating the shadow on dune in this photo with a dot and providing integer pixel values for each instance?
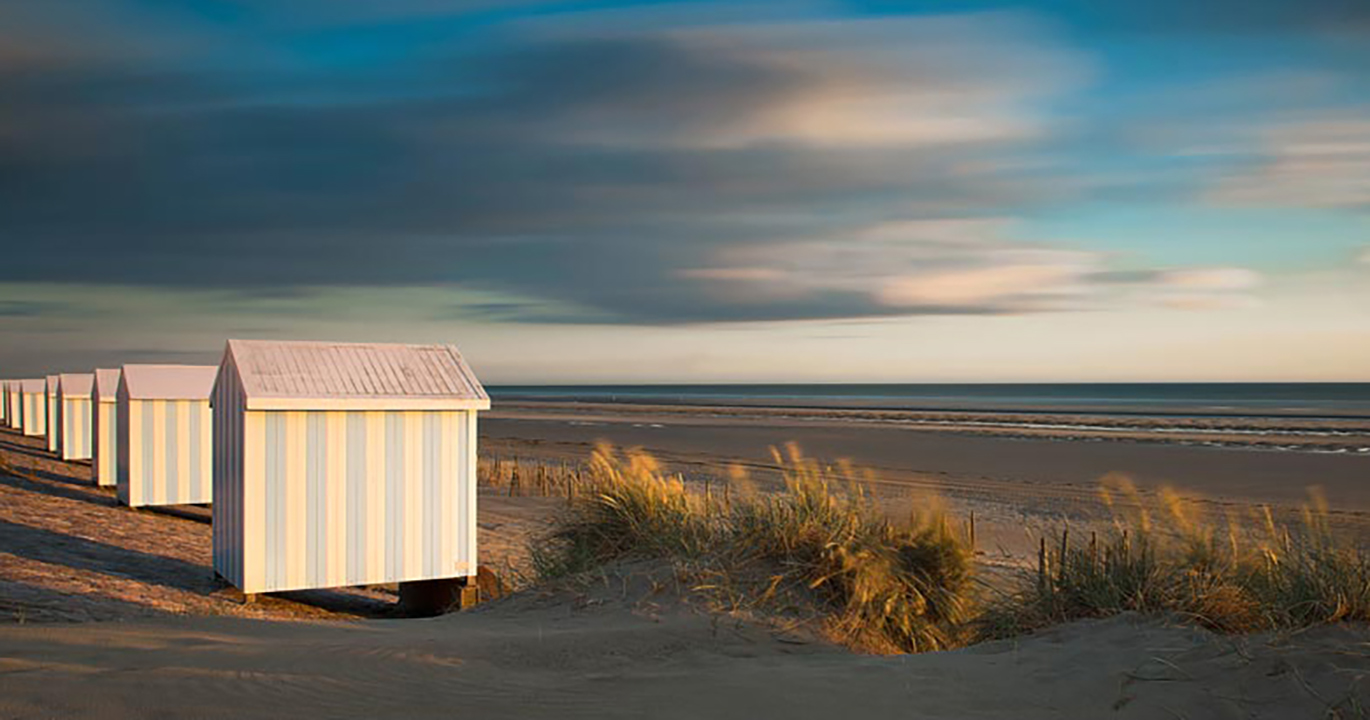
(22, 602)
(46, 483)
(84, 554)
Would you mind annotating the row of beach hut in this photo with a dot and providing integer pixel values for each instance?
(326, 464)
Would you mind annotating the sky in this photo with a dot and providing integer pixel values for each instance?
(616, 192)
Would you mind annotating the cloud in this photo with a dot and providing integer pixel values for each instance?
(26, 309)
(952, 266)
(587, 168)
(619, 173)
(904, 267)
(1321, 162)
(1210, 279)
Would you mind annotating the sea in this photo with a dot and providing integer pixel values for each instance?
(1237, 399)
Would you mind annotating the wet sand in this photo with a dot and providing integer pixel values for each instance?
(942, 457)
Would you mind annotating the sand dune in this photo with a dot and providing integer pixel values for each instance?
(603, 655)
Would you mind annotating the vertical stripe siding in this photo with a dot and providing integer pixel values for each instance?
(123, 447)
(375, 494)
(35, 414)
(349, 498)
(197, 481)
(113, 411)
(254, 498)
(275, 487)
(99, 451)
(139, 492)
(315, 517)
(296, 509)
(76, 429)
(171, 446)
(467, 486)
(394, 493)
(168, 462)
(180, 434)
(106, 438)
(356, 497)
(51, 424)
(412, 526)
(335, 486)
(430, 509)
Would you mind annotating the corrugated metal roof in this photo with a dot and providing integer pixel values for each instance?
(33, 385)
(169, 382)
(106, 383)
(354, 374)
(76, 383)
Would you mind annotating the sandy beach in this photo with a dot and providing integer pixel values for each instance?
(1019, 484)
(112, 613)
(950, 455)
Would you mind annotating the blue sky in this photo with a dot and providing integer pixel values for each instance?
(618, 192)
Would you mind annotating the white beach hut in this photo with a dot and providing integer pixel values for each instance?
(5, 403)
(164, 439)
(14, 398)
(34, 409)
(52, 421)
(104, 431)
(74, 414)
(341, 464)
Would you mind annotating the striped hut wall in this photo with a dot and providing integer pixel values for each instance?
(17, 404)
(228, 418)
(170, 452)
(76, 428)
(468, 511)
(35, 414)
(127, 420)
(53, 421)
(104, 440)
(355, 498)
(16, 414)
(4, 403)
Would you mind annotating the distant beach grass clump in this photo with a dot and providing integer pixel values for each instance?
(1165, 556)
(818, 547)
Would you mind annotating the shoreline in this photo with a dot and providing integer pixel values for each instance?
(1201, 463)
(1334, 435)
(1101, 410)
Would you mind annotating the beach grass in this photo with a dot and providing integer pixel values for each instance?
(1165, 555)
(818, 548)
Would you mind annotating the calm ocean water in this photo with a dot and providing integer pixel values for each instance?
(1260, 399)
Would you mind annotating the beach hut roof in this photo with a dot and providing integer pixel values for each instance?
(106, 384)
(33, 385)
(52, 384)
(169, 382)
(76, 383)
(288, 375)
